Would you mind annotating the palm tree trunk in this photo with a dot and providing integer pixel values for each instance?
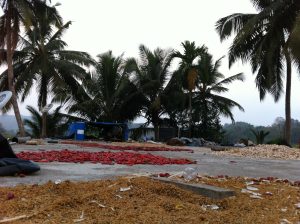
(288, 98)
(190, 114)
(156, 132)
(11, 86)
(155, 122)
(44, 115)
(44, 125)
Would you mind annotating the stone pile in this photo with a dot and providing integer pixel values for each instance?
(196, 142)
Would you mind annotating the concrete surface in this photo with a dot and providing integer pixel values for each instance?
(207, 164)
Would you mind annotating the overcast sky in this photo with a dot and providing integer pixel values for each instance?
(122, 25)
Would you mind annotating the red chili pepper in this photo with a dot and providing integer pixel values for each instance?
(130, 148)
(164, 174)
(10, 196)
(126, 158)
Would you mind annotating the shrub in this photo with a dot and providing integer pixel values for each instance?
(279, 141)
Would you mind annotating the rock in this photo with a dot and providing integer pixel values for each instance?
(21, 140)
(246, 142)
(208, 143)
(186, 141)
(219, 148)
(31, 142)
(175, 142)
(250, 143)
(197, 142)
(241, 145)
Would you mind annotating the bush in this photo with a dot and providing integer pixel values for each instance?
(279, 141)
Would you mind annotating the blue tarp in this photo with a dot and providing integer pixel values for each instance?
(76, 129)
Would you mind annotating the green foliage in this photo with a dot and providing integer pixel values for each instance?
(206, 99)
(236, 131)
(176, 101)
(278, 127)
(259, 135)
(261, 40)
(212, 84)
(24, 14)
(45, 63)
(17, 15)
(267, 39)
(107, 94)
(150, 76)
(57, 122)
(279, 141)
(188, 73)
(137, 133)
(188, 60)
(208, 125)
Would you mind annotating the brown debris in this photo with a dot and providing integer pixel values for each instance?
(5, 220)
(148, 201)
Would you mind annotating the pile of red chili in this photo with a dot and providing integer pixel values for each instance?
(131, 148)
(126, 158)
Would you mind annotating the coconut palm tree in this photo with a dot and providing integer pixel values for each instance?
(176, 101)
(209, 87)
(44, 62)
(150, 76)
(106, 95)
(57, 122)
(187, 69)
(16, 14)
(208, 102)
(265, 40)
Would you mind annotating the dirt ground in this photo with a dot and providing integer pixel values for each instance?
(143, 200)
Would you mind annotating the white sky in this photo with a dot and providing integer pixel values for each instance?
(122, 25)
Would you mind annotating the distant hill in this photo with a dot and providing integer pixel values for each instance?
(9, 122)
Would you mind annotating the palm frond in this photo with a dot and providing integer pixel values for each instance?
(239, 77)
(232, 24)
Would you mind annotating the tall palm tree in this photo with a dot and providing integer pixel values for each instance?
(209, 87)
(265, 39)
(176, 101)
(106, 95)
(188, 71)
(16, 14)
(44, 62)
(150, 76)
